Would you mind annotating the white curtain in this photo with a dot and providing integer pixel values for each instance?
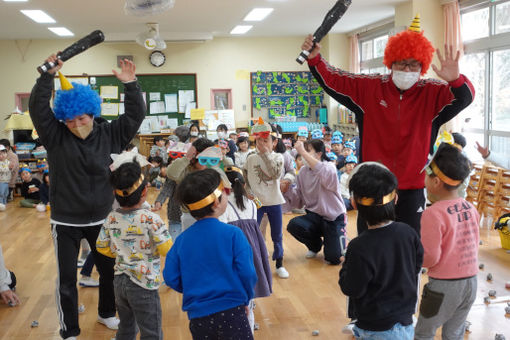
(354, 64)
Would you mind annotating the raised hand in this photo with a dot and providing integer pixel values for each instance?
(307, 45)
(449, 70)
(53, 59)
(484, 151)
(127, 71)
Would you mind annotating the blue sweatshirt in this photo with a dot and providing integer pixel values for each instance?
(211, 263)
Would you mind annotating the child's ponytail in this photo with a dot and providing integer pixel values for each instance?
(237, 180)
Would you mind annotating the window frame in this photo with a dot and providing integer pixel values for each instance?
(372, 35)
(487, 45)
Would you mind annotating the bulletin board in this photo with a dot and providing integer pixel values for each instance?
(278, 94)
(165, 94)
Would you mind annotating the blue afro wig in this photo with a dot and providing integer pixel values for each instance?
(76, 102)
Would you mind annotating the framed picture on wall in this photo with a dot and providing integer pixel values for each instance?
(221, 99)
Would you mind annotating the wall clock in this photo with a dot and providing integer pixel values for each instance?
(157, 58)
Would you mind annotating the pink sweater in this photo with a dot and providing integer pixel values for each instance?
(450, 236)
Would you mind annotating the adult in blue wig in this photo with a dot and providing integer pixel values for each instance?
(81, 195)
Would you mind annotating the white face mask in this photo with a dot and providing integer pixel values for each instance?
(193, 133)
(405, 80)
(222, 135)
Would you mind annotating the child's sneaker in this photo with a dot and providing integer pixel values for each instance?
(111, 322)
(87, 281)
(282, 273)
(310, 254)
(2, 207)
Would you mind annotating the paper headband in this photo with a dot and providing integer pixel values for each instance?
(369, 201)
(204, 202)
(127, 192)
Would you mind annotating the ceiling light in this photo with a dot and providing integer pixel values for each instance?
(38, 16)
(15, 0)
(61, 31)
(241, 29)
(258, 14)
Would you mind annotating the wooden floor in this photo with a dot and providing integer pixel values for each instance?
(309, 300)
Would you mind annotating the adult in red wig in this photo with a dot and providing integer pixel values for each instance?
(395, 112)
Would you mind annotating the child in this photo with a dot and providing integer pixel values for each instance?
(7, 284)
(350, 163)
(158, 149)
(263, 170)
(302, 136)
(44, 189)
(223, 144)
(233, 137)
(242, 213)
(222, 130)
(173, 209)
(136, 238)
(189, 163)
(243, 144)
(13, 165)
(327, 137)
(336, 143)
(347, 150)
(382, 264)
(317, 188)
(211, 263)
(153, 171)
(194, 133)
(29, 188)
(5, 177)
(450, 236)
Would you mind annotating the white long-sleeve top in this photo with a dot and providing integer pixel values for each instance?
(5, 275)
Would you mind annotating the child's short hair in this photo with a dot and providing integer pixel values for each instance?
(243, 139)
(373, 188)
(452, 163)
(157, 139)
(222, 127)
(459, 139)
(201, 144)
(128, 183)
(156, 159)
(195, 187)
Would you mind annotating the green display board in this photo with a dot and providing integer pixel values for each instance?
(285, 94)
(164, 84)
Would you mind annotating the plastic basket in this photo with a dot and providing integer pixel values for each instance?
(504, 235)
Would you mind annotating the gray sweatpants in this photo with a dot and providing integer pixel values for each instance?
(450, 311)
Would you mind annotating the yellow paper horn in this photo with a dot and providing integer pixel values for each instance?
(64, 83)
(415, 25)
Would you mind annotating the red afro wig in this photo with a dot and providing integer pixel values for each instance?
(409, 45)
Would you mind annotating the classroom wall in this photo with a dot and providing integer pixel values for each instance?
(215, 62)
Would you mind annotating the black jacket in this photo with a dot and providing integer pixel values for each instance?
(80, 187)
(380, 276)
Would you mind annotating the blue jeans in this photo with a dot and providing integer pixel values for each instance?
(274, 215)
(138, 308)
(397, 332)
(4, 192)
(88, 265)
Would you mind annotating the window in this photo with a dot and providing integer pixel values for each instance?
(371, 45)
(486, 35)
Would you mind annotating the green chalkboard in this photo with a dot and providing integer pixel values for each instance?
(162, 83)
